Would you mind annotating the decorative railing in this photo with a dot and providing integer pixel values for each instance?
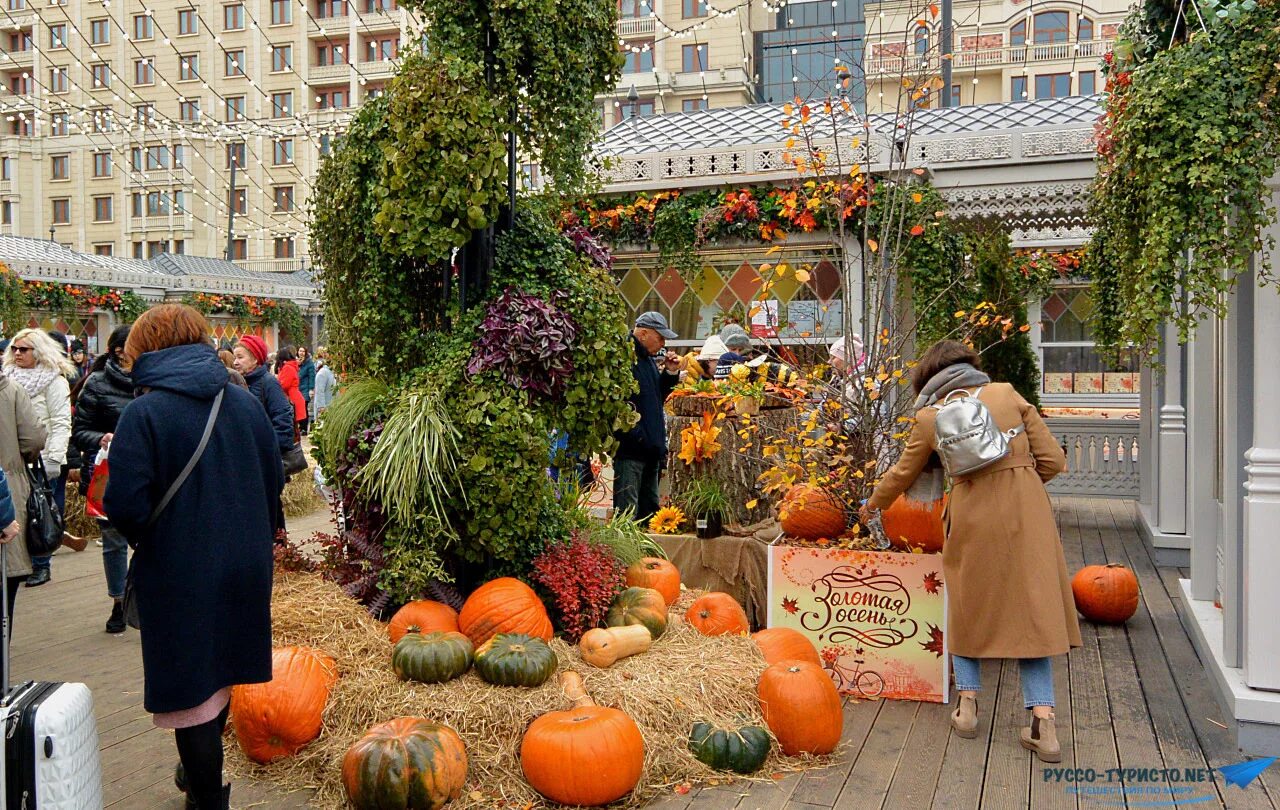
(320, 73)
(330, 24)
(1004, 56)
(270, 265)
(635, 26)
(1102, 457)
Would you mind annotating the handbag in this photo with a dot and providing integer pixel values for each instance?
(131, 617)
(97, 487)
(44, 519)
(295, 461)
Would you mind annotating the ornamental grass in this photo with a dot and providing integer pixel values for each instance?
(683, 678)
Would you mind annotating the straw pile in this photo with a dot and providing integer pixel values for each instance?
(300, 497)
(684, 677)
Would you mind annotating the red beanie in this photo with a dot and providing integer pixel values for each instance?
(256, 346)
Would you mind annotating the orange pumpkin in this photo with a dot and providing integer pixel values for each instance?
(1107, 594)
(276, 719)
(658, 574)
(405, 762)
(718, 614)
(587, 756)
(785, 644)
(504, 605)
(914, 524)
(426, 615)
(811, 512)
(801, 707)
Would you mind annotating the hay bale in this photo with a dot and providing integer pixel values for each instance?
(300, 497)
(78, 523)
(684, 677)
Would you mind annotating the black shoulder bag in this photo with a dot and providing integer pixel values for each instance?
(44, 520)
(130, 595)
(293, 459)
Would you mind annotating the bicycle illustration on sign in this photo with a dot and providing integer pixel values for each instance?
(867, 682)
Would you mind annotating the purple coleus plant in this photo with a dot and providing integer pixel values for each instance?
(528, 341)
(589, 246)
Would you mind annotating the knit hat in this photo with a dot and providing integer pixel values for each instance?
(256, 346)
(712, 349)
(838, 352)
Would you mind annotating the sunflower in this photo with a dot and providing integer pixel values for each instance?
(666, 521)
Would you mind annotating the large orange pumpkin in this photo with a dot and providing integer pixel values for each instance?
(656, 573)
(801, 707)
(718, 614)
(426, 615)
(915, 524)
(276, 719)
(407, 762)
(785, 644)
(587, 756)
(1107, 594)
(809, 513)
(503, 605)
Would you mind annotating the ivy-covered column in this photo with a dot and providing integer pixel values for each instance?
(1261, 564)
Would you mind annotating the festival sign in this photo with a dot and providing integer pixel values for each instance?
(876, 617)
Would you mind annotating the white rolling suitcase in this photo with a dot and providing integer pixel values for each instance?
(50, 739)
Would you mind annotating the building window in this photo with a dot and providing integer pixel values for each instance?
(633, 9)
(58, 35)
(157, 158)
(143, 28)
(284, 247)
(179, 156)
(101, 164)
(1018, 33)
(1051, 27)
(235, 108)
(235, 153)
(188, 22)
(19, 85)
(157, 204)
(383, 6)
(1088, 82)
(100, 32)
(233, 18)
(179, 247)
(59, 124)
(62, 211)
(1070, 363)
(380, 50)
(335, 55)
(6, 168)
(144, 114)
(281, 105)
(155, 248)
(1084, 29)
(189, 67)
(331, 99)
(61, 166)
(103, 209)
(58, 80)
(1018, 88)
(22, 127)
(234, 63)
(6, 213)
(104, 249)
(693, 58)
(238, 199)
(282, 152)
(693, 8)
(328, 9)
(136, 200)
(281, 12)
(20, 42)
(179, 201)
(101, 76)
(693, 104)
(635, 109)
(239, 248)
(1053, 85)
(189, 110)
(137, 250)
(326, 144)
(922, 40)
(283, 198)
(639, 57)
(281, 58)
(135, 158)
(100, 121)
(143, 72)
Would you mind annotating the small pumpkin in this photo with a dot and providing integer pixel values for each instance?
(785, 644)
(426, 615)
(656, 573)
(915, 524)
(603, 647)
(809, 512)
(718, 614)
(643, 606)
(1107, 594)
(431, 658)
(276, 719)
(504, 605)
(586, 756)
(515, 659)
(801, 706)
(407, 762)
(741, 750)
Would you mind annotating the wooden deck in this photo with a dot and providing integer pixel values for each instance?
(1132, 697)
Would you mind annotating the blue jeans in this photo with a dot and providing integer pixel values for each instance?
(635, 486)
(1036, 675)
(115, 559)
(59, 485)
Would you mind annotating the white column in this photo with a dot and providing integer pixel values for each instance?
(1148, 452)
(1261, 565)
(1203, 514)
(1171, 425)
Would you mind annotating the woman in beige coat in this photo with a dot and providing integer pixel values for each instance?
(21, 440)
(1008, 594)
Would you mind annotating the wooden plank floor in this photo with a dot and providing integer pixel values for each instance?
(1131, 697)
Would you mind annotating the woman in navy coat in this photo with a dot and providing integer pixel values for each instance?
(202, 570)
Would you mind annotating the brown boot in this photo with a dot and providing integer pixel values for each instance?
(965, 718)
(74, 543)
(1042, 737)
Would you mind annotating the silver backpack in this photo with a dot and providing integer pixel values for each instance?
(967, 436)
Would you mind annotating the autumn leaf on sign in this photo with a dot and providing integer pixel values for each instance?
(931, 582)
(934, 644)
(790, 605)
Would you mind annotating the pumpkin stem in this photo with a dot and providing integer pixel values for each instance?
(574, 689)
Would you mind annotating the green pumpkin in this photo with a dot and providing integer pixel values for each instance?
(643, 606)
(514, 659)
(434, 658)
(741, 750)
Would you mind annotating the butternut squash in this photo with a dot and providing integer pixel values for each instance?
(603, 646)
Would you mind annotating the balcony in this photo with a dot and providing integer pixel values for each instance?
(328, 73)
(175, 222)
(381, 20)
(335, 27)
(270, 265)
(330, 117)
(21, 18)
(636, 26)
(890, 66)
(18, 59)
(383, 69)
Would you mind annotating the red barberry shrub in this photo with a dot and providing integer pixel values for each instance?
(582, 578)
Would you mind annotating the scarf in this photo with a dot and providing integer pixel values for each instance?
(33, 380)
(929, 486)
